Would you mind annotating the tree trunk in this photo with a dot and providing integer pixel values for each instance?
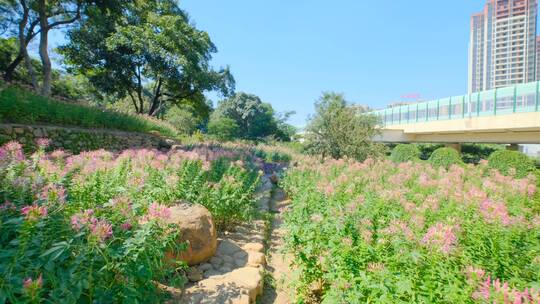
(154, 107)
(10, 70)
(23, 51)
(43, 52)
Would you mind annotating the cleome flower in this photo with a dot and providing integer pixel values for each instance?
(441, 237)
(34, 212)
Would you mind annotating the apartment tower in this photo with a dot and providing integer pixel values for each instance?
(503, 45)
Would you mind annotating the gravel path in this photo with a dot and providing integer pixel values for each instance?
(278, 265)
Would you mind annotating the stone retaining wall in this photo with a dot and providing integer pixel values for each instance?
(76, 140)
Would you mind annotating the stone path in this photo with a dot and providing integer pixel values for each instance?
(236, 273)
(278, 267)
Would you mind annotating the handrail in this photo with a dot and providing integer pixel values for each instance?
(519, 98)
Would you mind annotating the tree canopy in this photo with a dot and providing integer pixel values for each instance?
(148, 52)
(339, 129)
(255, 118)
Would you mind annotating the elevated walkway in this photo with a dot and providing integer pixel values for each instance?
(506, 116)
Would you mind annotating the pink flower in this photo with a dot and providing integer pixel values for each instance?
(126, 226)
(43, 142)
(159, 212)
(441, 237)
(101, 230)
(80, 220)
(14, 149)
(495, 212)
(34, 212)
(29, 282)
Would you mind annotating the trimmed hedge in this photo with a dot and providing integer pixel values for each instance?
(445, 157)
(23, 107)
(403, 153)
(504, 160)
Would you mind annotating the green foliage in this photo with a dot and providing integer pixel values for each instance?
(156, 57)
(507, 161)
(223, 128)
(94, 228)
(376, 232)
(445, 157)
(427, 149)
(342, 130)
(255, 119)
(403, 153)
(20, 106)
(474, 153)
(182, 119)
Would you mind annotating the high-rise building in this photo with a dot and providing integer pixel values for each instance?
(503, 45)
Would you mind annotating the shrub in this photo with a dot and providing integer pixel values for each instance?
(445, 157)
(474, 153)
(20, 106)
(92, 228)
(505, 160)
(403, 153)
(375, 232)
(223, 128)
(340, 129)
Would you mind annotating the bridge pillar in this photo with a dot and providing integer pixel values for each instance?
(456, 146)
(512, 147)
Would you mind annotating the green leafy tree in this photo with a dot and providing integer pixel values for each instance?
(339, 129)
(183, 119)
(223, 128)
(255, 118)
(148, 51)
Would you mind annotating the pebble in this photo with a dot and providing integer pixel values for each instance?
(227, 259)
(205, 267)
(227, 247)
(216, 261)
(254, 247)
(240, 255)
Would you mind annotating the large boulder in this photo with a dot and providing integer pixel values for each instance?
(197, 228)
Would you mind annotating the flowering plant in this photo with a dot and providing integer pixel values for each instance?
(380, 232)
(93, 227)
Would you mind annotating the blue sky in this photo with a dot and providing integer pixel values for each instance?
(289, 51)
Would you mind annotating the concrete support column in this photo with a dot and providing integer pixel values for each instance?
(456, 146)
(512, 147)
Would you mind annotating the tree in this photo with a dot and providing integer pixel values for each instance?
(255, 118)
(148, 52)
(182, 119)
(19, 15)
(223, 128)
(339, 129)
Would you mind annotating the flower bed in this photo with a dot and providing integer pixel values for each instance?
(376, 232)
(92, 227)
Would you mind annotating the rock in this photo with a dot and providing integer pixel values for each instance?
(198, 229)
(166, 144)
(227, 259)
(225, 269)
(250, 279)
(241, 286)
(227, 247)
(195, 274)
(256, 259)
(216, 261)
(205, 267)
(240, 255)
(211, 273)
(240, 262)
(254, 247)
(18, 130)
(274, 178)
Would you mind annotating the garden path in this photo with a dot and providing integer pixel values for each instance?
(278, 272)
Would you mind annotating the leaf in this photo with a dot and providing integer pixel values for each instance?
(56, 250)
